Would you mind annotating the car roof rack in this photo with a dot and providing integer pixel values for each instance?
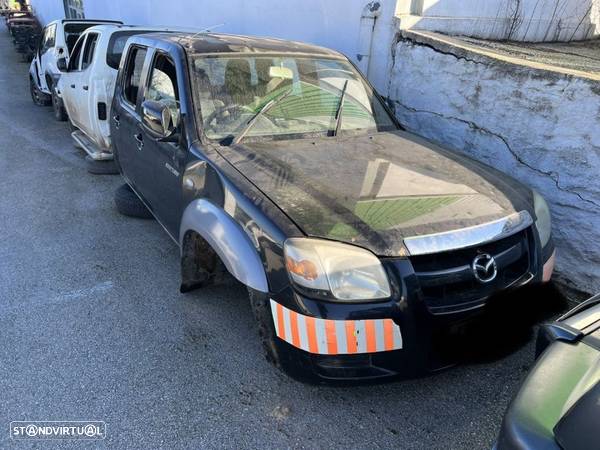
(92, 20)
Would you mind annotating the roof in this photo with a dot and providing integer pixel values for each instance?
(215, 43)
(115, 27)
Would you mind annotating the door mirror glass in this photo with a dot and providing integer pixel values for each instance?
(61, 64)
(157, 116)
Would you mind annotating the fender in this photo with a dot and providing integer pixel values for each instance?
(33, 72)
(227, 239)
(53, 77)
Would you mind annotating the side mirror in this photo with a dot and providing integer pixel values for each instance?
(157, 116)
(61, 64)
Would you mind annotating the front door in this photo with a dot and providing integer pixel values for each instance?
(166, 157)
(46, 55)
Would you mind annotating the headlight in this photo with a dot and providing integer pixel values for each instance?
(332, 269)
(543, 222)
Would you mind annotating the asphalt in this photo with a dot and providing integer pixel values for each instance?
(93, 327)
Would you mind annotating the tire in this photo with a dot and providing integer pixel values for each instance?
(261, 309)
(101, 167)
(295, 363)
(38, 97)
(60, 113)
(129, 204)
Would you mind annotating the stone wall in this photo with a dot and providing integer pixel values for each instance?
(540, 126)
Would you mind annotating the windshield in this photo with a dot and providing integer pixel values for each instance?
(284, 97)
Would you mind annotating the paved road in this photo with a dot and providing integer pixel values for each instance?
(92, 326)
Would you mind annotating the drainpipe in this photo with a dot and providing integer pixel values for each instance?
(368, 18)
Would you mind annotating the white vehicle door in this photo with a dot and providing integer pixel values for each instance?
(46, 56)
(71, 83)
(84, 90)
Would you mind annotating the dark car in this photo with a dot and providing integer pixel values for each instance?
(558, 406)
(355, 238)
(12, 16)
(26, 35)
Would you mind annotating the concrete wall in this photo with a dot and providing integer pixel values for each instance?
(539, 126)
(522, 20)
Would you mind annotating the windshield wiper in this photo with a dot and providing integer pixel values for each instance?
(266, 107)
(340, 110)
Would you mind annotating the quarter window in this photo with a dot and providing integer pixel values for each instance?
(133, 74)
(88, 52)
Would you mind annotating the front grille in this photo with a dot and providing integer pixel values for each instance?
(449, 285)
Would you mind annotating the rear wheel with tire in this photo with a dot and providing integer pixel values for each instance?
(38, 97)
(101, 167)
(129, 204)
(60, 113)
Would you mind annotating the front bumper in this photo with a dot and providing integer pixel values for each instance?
(404, 336)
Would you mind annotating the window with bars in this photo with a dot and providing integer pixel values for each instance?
(74, 9)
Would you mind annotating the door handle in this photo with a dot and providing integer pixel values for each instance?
(117, 120)
(85, 88)
(73, 86)
(139, 138)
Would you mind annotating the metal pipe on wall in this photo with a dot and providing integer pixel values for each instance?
(368, 19)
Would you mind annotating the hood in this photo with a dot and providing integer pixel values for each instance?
(374, 191)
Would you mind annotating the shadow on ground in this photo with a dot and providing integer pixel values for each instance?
(507, 324)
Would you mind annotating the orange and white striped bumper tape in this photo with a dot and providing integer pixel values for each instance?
(335, 337)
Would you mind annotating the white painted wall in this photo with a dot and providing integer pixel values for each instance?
(48, 10)
(331, 23)
(524, 20)
(541, 127)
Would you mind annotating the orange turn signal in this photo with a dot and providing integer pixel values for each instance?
(305, 269)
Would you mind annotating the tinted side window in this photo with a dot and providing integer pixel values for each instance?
(163, 85)
(74, 58)
(116, 45)
(88, 52)
(133, 74)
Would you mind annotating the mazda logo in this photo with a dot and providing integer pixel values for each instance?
(484, 268)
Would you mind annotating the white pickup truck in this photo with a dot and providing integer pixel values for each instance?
(58, 39)
(86, 88)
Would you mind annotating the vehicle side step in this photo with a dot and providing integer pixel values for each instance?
(90, 147)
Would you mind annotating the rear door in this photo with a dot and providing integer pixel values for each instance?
(126, 129)
(71, 83)
(83, 89)
(165, 159)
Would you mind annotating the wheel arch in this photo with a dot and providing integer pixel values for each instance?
(226, 238)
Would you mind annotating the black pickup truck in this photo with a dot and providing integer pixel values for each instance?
(355, 238)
